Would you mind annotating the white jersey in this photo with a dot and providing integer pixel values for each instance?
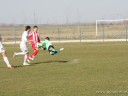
(24, 38)
(23, 44)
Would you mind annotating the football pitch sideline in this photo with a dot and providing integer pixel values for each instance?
(82, 69)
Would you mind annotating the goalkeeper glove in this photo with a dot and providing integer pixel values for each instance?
(39, 45)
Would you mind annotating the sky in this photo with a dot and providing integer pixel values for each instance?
(61, 11)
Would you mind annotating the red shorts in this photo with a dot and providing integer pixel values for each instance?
(34, 46)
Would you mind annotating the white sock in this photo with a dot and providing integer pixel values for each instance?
(6, 61)
(25, 58)
(20, 53)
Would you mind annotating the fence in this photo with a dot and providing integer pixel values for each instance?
(82, 33)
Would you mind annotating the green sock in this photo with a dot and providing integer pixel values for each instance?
(54, 52)
(57, 51)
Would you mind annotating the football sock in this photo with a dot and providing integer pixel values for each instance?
(34, 54)
(6, 61)
(54, 52)
(25, 58)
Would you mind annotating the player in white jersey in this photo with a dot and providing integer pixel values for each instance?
(3, 52)
(23, 45)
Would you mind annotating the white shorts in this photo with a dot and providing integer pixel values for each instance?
(24, 48)
(1, 48)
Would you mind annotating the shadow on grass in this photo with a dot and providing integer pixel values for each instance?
(51, 61)
(13, 67)
(17, 66)
(32, 64)
(21, 66)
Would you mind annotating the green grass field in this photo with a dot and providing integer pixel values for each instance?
(81, 69)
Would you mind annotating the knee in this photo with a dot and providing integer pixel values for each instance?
(4, 54)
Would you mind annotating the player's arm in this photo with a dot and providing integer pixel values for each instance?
(39, 38)
(28, 40)
(41, 44)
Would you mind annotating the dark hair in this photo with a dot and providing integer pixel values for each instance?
(27, 28)
(47, 38)
(35, 26)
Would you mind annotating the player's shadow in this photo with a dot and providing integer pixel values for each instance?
(17, 66)
(52, 61)
(21, 66)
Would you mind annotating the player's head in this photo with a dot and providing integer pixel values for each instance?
(28, 28)
(35, 28)
(47, 38)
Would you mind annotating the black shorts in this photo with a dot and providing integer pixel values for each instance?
(50, 47)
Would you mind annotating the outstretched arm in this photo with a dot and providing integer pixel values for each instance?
(41, 44)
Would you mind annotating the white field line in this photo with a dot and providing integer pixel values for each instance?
(77, 41)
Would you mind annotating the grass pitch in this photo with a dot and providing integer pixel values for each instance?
(82, 69)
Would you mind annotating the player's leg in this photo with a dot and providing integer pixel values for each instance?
(5, 58)
(25, 59)
(24, 52)
(26, 55)
(32, 56)
(53, 51)
(22, 47)
(3, 52)
(36, 50)
(18, 54)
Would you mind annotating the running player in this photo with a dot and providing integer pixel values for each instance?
(23, 45)
(34, 38)
(47, 45)
(3, 52)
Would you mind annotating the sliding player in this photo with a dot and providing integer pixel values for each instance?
(34, 38)
(23, 45)
(3, 52)
(47, 45)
